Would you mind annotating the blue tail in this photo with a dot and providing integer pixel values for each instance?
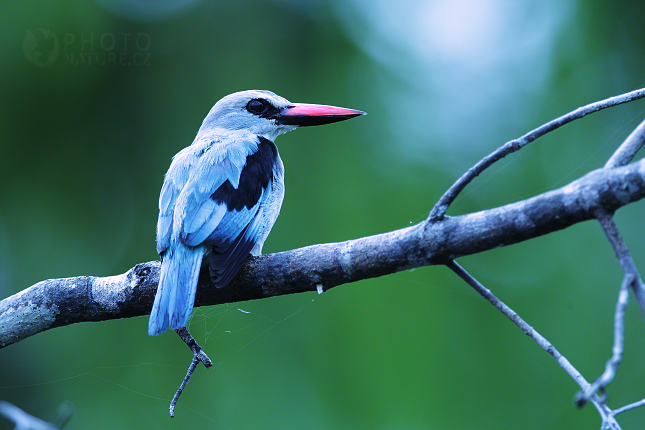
(176, 291)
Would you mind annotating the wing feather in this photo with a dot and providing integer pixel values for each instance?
(230, 227)
(220, 202)
(167, 200)
(202, 221)
(225, 265)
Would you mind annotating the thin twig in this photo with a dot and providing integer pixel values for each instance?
(22, 419)
(629, 407)
(611, 367)
(175, 398)
(439, 210)
(198, 355)
(623, 155)
(622, 253)
(518, 321)
(631, 280)
(605, 413)
(628, 149)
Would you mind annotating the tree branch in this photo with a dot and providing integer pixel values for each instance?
(606, 413)
(24, 421)
(628, 149)
(198, 355)
(58, 302)
(514, 145)
(631, 280)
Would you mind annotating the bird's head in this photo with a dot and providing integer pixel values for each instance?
(268, 115)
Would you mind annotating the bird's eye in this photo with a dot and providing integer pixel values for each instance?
(256, 106)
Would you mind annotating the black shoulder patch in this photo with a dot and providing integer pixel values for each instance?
(254, 178)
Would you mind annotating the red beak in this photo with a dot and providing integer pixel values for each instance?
(305, 114)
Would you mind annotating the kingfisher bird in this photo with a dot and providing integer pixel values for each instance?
(222, 195)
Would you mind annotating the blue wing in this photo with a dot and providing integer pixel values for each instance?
(197, 174)
(230, 219)
(221, 202)
(212, 195)
(229, 252)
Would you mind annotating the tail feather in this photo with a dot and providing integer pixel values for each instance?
(176, 291)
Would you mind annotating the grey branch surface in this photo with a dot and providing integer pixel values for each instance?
(24, 421)
(59, 302)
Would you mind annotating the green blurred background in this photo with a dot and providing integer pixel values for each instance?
(97, 96)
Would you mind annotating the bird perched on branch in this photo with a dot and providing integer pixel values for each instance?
(222, 194)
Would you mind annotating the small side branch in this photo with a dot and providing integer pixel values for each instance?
(607, 415)
(439, 210)
(518, 321)
(600, 384)
(180, 390)
(24, 421)
(628, 149)
(198, 355)
(631, 280)
(629, 407)
(624, 256)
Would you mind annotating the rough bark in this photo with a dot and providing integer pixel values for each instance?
(58, 302)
